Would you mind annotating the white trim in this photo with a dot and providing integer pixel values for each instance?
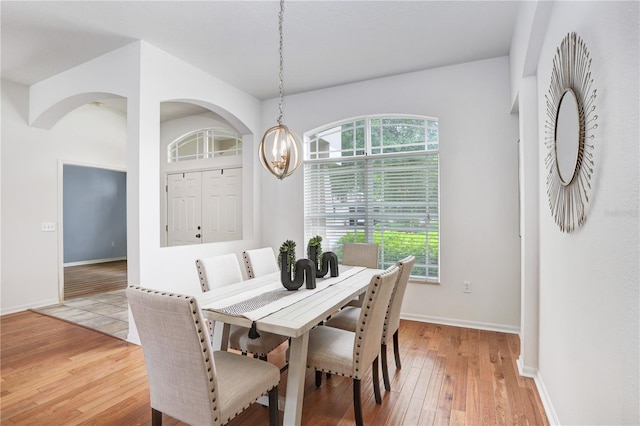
(487, 326)
(365, 117)
(534, 374)
(91, 262)
(22, 308)
(524, 370)
(61, 163)
(133, 337)
(546, 399)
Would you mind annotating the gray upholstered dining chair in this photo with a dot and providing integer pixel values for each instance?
(347, 318)
(360, 254)
(347, 353)
(259, 262)
(222, 270)
(187, 379)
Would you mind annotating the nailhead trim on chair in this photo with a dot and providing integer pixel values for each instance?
(364, 321)
(247, 263)
(201, 275)
(196, 321)
(386, 316)
(204, 351)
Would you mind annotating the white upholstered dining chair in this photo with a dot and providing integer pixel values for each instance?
(347, 353)
(259, 262)
(187, 379)
(223, 270)
(347, 318)
(360, 254)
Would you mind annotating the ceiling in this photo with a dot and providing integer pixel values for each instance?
(326, 43)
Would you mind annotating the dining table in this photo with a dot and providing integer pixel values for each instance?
(264, 304)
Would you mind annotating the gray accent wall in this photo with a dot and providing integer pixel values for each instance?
(94, 214)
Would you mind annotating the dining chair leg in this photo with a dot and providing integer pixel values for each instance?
(156, 417)
(318, 378)
(396, 349)
(357, 408)
(376, 381)
(385, 369)
(274, 415)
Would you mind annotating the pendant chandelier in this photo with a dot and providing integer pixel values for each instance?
(279, 145)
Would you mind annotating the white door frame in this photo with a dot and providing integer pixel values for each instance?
(59, 225)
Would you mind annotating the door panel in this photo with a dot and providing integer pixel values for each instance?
(222, 205)
(184, 215)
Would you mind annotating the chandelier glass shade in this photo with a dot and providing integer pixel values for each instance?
(278, 149)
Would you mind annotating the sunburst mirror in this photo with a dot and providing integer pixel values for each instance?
(569, 133)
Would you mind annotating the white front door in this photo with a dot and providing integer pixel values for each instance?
(222, 205)
(184, 209)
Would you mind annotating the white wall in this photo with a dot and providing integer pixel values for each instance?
(524, 53)
(30, 163)
(479, 183)
(30, 189)
(173, 268)
(589, 279)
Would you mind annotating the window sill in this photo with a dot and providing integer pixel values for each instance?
(423, 281)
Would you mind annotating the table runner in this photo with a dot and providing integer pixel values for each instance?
(270, 298)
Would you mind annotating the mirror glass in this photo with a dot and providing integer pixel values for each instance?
(567, 136)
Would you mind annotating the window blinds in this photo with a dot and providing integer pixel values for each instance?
(391, 200)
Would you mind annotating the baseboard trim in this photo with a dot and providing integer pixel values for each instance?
(91, 262)
(26, 307)
(526, 371)
(534, 374)
(546, 400)
(486, 326)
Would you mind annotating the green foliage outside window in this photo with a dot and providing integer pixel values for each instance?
(397, 245)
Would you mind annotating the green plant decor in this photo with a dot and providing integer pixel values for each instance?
(288, 248)
(317, 243)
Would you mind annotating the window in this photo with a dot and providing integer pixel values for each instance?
(205, 143)
(375, 179)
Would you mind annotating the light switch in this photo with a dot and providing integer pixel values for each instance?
(48, 226)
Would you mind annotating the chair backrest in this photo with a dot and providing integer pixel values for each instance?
(218, 271)
(371, 322)
(392, 321)
(260, 262)
(360, 254)
(177, 354)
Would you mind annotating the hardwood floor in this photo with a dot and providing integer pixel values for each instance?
(54, 372)
(86, 280)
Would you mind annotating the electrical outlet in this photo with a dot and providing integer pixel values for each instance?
(467, 287)
(47, 227)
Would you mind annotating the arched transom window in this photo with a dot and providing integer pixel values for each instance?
(205, 143)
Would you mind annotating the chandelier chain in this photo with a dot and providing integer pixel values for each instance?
(280, 20)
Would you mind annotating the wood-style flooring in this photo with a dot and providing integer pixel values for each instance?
(87, 280)
(57, 373)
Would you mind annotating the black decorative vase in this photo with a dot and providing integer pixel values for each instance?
(329, 262)
(305, 268)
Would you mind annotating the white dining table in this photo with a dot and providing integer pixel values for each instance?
(294, 320)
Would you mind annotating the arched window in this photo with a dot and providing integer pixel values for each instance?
(375, 179)
(205, 143)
